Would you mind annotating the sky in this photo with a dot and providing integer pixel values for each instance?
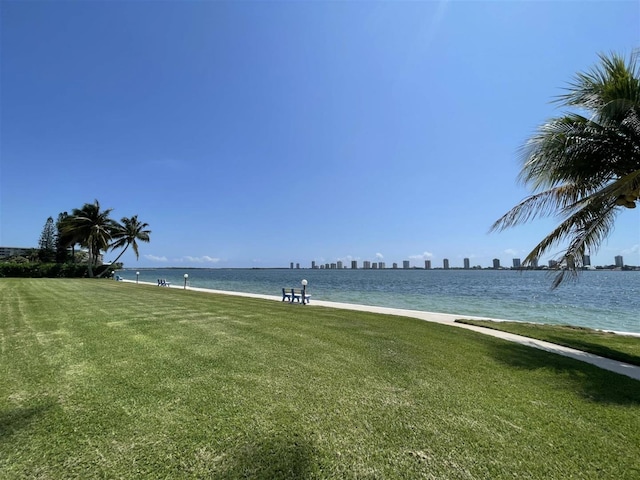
(259, 133)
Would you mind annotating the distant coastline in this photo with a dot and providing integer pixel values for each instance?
(626, 268)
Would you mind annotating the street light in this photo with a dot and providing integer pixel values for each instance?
(113, 274)
(137, 275)
(186, 275)
(304, 290)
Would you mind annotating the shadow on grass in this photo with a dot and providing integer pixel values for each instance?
(568, 337)
(268, 458)
(587, 380)
(597, 349)
(12, 420)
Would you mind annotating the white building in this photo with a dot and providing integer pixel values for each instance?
(6, 252)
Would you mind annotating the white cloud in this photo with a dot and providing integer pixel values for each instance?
(511, 251)
(423, 256)
(155, 258)
(631, 251)
(379, 256)
(203, 259)
(347, 259)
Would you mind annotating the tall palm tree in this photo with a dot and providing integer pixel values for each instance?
(127, 233)
(92, 228)
(584, 168)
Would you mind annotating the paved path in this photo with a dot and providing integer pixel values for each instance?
(448, 319)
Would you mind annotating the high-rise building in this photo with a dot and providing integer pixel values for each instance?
(553, 264)
(534, 263)
(354, 264)
(381, 265)
(427, 264)
(619, 261)
(467, 264)
(339, 264)
(445, 264)
(586, 260)
(291, 265)
(374, 265)
(496, 263)
(406, 264)
(517, 263)
(395, 266)
(366, 265)
(313, 264)
(298, 266)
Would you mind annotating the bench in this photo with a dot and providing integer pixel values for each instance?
(163, 283)
(295, 295)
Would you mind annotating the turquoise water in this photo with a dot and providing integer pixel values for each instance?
(608, 300)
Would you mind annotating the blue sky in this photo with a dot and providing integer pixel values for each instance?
(254, 134)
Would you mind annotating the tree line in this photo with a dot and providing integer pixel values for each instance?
(93, 229)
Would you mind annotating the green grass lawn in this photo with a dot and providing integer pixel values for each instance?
(624, 348)
(104, 379)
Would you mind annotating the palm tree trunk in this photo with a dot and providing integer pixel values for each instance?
(93, 260)
(117, 258)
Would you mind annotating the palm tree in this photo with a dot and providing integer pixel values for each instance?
(127, 233)
(91, 228)
(584, 168)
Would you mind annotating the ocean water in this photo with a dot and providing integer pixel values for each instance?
(608, 300)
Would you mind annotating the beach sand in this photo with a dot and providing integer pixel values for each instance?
(449, 319)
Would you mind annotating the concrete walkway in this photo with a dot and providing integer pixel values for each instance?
(449, 319)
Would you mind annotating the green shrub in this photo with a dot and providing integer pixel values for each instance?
(43, 270)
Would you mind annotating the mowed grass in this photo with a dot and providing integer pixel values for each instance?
(624, 348)
(104, 379)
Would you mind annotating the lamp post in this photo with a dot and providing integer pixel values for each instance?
(113, 274)
(137, 275)
(186, 275)
(304, 290)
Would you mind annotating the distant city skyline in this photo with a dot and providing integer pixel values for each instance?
(618, 261)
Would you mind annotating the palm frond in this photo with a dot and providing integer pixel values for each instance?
(542, 204)
(587, 227)
(612, 80)
(584, 168)
(128, 233)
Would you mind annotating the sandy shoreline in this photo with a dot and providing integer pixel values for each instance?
(448, 319)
